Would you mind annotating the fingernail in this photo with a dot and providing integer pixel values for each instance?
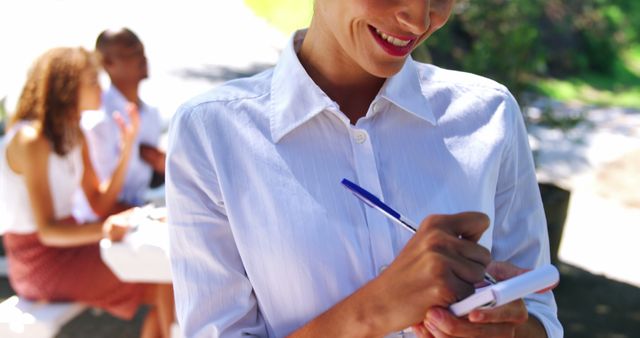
(476, 316)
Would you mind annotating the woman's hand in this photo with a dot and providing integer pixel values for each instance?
(503, 321)
(128, 131)
(441, 263)
(115, 227)
(499, 322)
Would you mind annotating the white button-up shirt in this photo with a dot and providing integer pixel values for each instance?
(104, 139)
(263, 236)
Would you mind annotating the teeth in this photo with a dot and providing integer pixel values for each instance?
(394, 41)
(397, 42)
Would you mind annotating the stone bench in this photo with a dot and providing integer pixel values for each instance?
(23, 318)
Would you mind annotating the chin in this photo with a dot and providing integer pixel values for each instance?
(386, 70)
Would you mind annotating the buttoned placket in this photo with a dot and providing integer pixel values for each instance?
(367, 174)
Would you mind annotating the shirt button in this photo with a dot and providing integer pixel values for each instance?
(382, 268)
(360, 136)
(375, 107)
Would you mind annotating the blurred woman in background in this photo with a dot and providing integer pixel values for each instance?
(44, 160)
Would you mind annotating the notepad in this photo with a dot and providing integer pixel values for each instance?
(508, 290)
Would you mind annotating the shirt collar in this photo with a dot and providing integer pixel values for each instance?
(113, 96)
(295, 98)
(404, 90)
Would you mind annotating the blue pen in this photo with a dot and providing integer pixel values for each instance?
(374, 202)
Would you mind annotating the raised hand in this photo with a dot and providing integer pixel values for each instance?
(115, 227)
(128, 131)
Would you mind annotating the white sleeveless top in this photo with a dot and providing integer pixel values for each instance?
(65, 175)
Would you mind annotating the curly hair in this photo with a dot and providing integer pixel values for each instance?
(51, 93)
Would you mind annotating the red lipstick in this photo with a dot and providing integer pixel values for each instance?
(390, 48)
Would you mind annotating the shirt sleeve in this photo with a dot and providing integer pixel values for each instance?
(214, 298)
(520, 231)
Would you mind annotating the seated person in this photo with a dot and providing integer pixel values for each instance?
(123, 58)
(44, 160)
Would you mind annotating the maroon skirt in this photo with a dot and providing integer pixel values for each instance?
(39, 272)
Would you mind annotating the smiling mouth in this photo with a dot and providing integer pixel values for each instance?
(393, 44)
(393, 40)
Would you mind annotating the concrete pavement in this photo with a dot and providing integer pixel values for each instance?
(599, 162)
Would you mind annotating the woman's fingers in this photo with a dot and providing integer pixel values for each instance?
(118, 232)
(467, 272)
(128, 129)
(134, 115)
(439, 266)
(115, 227)
(513, 312)
(122, 124)
(452, 236)
(468, 225)
(442, 324)
(421, 331)
(504, 270)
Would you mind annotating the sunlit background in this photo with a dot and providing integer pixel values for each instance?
(191, 45)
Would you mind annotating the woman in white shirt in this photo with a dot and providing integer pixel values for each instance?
(266, 242)
(44, 161)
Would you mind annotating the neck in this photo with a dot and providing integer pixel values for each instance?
(129, 91)
(342, 79)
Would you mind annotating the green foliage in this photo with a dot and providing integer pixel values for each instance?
(582, 90)
(518, 41)
(286, 15)
(621, 87)
(587, 50)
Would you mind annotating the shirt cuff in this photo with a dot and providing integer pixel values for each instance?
(547, 318)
